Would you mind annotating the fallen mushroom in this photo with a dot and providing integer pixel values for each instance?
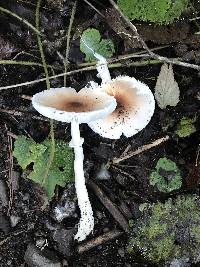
(66, 105)
(135, 105)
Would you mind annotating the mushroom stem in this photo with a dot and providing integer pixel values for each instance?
(86, 223)
(102, 68)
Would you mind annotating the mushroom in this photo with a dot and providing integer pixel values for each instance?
(135, 105)
(66, 105)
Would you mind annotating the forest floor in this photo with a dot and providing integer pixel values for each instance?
(26, 229)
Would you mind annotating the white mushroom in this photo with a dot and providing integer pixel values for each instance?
(66, 105)
(135, 107)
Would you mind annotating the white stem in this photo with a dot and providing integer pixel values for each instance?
(102, 68)
(102, 65)
(86, 224)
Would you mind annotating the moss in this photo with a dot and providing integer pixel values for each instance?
(167, 231)
(158, 11)
(186, 127)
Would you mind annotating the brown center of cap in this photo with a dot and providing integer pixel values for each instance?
(126, 97)
(71, 101)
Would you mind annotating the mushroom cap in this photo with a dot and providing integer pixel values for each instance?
(135, 107)
(65, 104)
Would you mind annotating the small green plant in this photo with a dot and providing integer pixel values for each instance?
(186, 127)
(91, 43)
(166, 176)
(27, 151)
(167, 231)
(158, 11)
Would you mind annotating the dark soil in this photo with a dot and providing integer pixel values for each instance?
(23, 199)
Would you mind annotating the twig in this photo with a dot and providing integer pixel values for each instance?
(14, 136)
(139, 54)
(25, 63)
(123, 172)
(110, 206)
(116, 65)
(94, 8)
(10, 172)
(66, 62)
(4, 10)
(196, 18)
(26, 97)
(21, 114)
(144, 45)
(98, 241)
(12, 235)
(51, 156)
(197, 156)
(140, 149)
(37, 20)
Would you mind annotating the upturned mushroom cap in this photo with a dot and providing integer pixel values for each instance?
(135, 107)
(65, 104)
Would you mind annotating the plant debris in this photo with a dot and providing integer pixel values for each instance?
(167, 90)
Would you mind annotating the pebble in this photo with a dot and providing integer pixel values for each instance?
(64, 239)
(14, 220)
(103, 173)
(121, 252)
(183, 262)
(36, 258)
(4, 224)
(3, 195)
(67, 206)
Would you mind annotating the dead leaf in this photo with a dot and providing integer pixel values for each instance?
(166, 91)
(6, 48)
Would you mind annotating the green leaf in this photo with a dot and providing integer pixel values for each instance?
(158, 11)
(26, 151)
(61, 170)
(166, 176)
(91, 43)
(186, 127)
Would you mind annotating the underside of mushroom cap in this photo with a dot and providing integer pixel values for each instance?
(135, 107)
(65, 104)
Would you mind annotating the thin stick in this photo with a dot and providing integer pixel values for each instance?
(66, 62)
(197, 156)
(25, 63)
(116, 65)
(51, 157)
(141, 149)
(12, 235)
(37, 21)
(21, 114)
(4, 10)
(110, 206)
(10, 172)
(123, 172)
(26, 97)
(99, 241)
(144, 45)
(124, 57)
(94, 8)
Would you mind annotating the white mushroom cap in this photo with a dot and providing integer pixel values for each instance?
(135, 107)
(65, 104)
